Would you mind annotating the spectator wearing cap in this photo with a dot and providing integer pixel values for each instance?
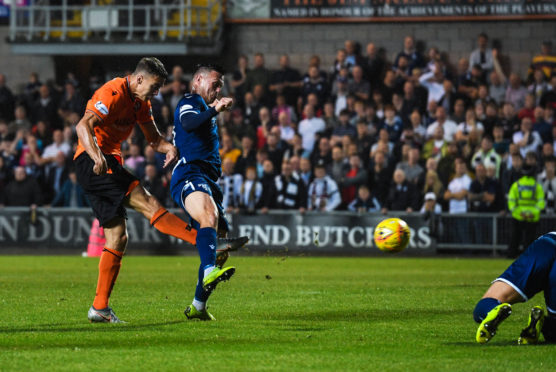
(323, 192)
(431, 211)
(364, 202)
(545, 61)
(430, 204)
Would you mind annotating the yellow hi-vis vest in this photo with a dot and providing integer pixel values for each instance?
(526, 199)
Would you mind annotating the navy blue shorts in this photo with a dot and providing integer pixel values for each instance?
(534, 271)
(191, 178)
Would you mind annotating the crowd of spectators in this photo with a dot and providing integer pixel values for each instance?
(365, 134)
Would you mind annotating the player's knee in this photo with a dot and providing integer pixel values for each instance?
(210, 218)
(120, 242)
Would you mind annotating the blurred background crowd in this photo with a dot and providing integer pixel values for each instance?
(368, 133)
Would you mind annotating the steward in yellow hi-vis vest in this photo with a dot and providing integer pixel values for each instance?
(526, 199)
(525, 202)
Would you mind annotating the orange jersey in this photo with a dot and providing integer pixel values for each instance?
(118, 111)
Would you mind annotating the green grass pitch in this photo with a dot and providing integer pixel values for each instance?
(277, 313)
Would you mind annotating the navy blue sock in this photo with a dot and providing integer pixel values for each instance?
(200, 294)
(206, 237)
(483, 307)
(206, 245)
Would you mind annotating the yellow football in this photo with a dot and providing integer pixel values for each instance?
(392, 235)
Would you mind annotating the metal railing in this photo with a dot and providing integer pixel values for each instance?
(185, 20)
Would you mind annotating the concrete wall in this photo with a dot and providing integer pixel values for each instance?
(519, 40)
(17, 68)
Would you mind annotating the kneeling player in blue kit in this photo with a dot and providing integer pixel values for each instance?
(194, 179)
(532, 272)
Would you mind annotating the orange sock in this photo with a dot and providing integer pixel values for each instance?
(170, 224)
(108, 269)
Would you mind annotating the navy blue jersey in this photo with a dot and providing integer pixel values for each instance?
(199, 145)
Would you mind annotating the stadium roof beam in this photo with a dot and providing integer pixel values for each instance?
(129, 48)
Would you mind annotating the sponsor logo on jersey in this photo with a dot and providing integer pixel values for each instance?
(101, 107)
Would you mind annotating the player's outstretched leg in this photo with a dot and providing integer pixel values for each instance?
(531, 333)
(489, 312)
(227, 245)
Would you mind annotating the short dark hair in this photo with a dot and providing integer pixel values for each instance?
(204, 68)
(152, 66)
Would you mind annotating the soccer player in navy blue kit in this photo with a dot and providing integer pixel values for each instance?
(532, 272)
(194, 178)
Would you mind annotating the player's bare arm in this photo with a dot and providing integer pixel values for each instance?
(159, 144)
(86, 133)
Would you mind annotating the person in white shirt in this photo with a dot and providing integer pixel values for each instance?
(487, 156)
(526, 139)
(323, 194)
(449, 126)
(286, 128)
(434, 82)
(310, 126)
(458, 189)
(482, 56)
(456, 195)
(50, 152)
(251, 191)
(230, 184)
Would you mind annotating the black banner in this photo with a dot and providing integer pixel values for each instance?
(333, 233)
(58, 230)
(364, 9)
